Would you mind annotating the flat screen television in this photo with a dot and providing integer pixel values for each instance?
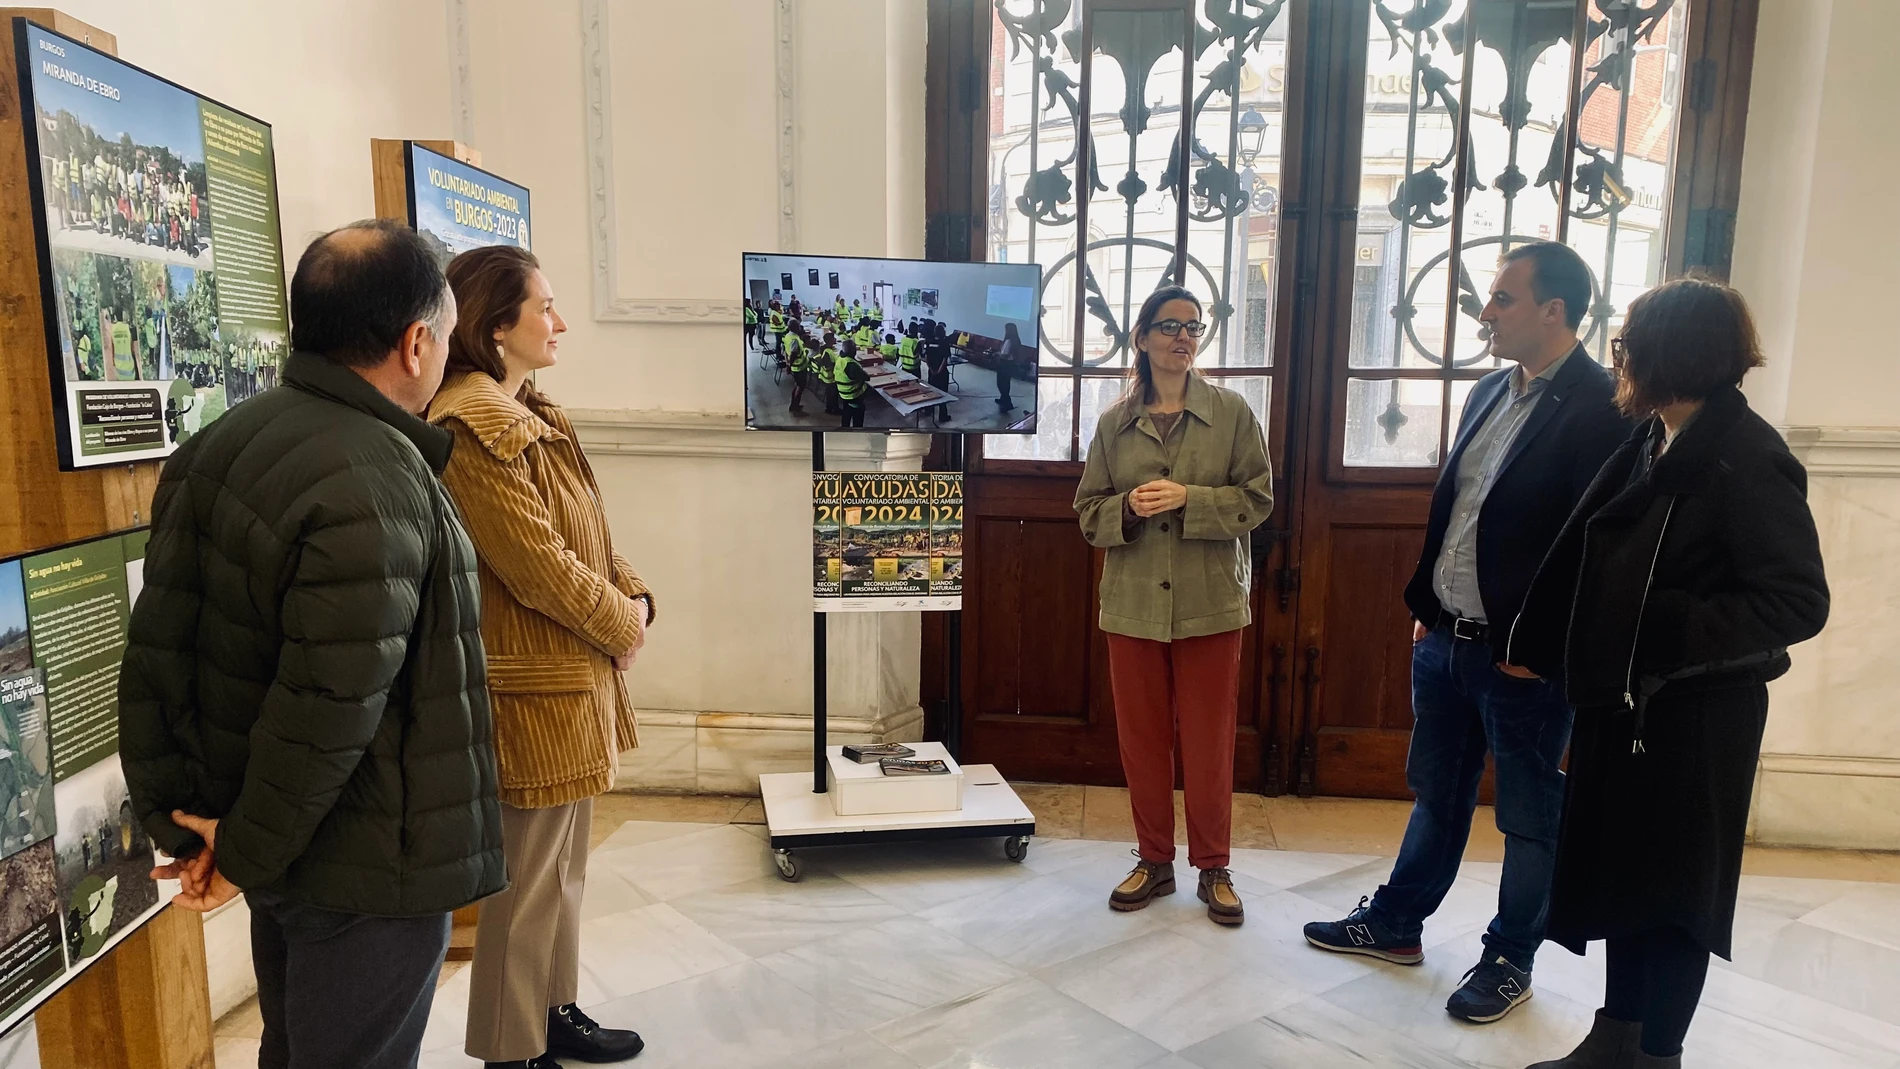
(161, 262)
(945, 348)
(457, 207)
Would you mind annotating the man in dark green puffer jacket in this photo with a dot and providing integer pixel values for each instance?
(303, 706)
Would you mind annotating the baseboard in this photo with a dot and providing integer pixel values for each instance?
(1841, 803)
(687, 752)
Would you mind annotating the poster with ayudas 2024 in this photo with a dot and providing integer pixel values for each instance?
(161, 263)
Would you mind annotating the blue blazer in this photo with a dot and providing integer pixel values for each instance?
(1572, 431)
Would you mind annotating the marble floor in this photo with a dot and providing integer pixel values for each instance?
(949, 955)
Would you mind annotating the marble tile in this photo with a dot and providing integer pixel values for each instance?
(740, 1016)
(1169, 988)
(920, 876)
(634, 832)
(610, 892)
(451, 1058)
(1410, 1002)
(666, 759)
(765, 916)
(1271, 943)
(227, 1052)
(680, 808)
(627, 953)
(1745, 1021)
(1050, 856)
(1314, 1034)
(1830, 967)
(1868, 912)
(1051, 919)
(869, 976)
(699, 861)
(1291, 868)
(1026, 1023)
(1340, 825)
(753, 812)
(1057, 806)
(858, 1050)
(20, 1048)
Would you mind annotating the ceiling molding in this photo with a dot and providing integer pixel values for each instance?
(1851, 451)
(610, 306)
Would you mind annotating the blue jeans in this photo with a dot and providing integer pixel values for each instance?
(1462, 706)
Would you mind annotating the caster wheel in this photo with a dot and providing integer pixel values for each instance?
(1016, 847)
(788, 866)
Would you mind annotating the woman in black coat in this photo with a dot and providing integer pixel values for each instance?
(1695, 564)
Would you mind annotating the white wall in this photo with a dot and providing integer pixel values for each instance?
(1815, 255)
(641, 217)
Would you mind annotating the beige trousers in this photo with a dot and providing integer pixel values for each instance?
(527, 945)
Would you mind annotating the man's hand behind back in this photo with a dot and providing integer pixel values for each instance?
(202, 887)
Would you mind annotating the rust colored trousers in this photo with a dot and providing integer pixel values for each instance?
(1190, 688)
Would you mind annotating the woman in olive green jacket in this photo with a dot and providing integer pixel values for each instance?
(1177, 478)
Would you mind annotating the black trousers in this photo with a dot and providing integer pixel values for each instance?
(853, 412)
(342, 990)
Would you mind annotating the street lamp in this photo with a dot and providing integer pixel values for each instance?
(1253, 136)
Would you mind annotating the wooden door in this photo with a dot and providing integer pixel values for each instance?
(1338, 158)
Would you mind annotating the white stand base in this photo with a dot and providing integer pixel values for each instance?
(795, 817)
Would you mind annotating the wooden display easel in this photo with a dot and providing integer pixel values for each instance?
(147, 1004)
(390, 173)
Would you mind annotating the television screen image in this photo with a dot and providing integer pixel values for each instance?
(891, 345)
(456, 207)
(162, 268)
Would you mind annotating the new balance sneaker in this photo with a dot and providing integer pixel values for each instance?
(1490, 990)
(1360, 934)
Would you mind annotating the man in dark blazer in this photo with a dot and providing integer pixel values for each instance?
(1531, 439)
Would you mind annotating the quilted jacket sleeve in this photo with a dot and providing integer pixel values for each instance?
(155, 677)
(362, 553)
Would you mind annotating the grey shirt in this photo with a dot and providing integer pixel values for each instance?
(1455, 577)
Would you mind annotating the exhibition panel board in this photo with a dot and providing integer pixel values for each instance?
(75, 865)
(155, 223)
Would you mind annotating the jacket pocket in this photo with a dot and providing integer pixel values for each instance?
(551, 720)
(515, 674)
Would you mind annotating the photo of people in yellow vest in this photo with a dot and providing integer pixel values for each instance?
(891, 345)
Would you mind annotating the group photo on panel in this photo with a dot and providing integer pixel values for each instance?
(378, 643)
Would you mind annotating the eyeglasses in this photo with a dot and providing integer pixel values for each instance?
(1194, 327)
(1619, 352)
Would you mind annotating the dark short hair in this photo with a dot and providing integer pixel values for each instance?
(1557, 273)
(358, 288)
(1684, 341)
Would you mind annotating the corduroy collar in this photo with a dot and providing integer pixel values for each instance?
(501, 423)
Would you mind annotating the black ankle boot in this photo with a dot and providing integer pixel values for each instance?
(541, 1061)
(573, 1034)
(1611, 1044)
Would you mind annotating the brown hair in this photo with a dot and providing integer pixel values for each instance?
(1141, 375)
(1683, 341)
(490, 284)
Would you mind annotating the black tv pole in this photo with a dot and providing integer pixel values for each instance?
(817, 657)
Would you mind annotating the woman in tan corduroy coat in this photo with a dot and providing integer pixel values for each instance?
(562, 617)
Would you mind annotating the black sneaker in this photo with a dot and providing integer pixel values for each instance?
(1360, 934)
(1491, 989)
(573, 1034)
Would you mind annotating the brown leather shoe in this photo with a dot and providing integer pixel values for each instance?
(1223, 902)
(1149, 881)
